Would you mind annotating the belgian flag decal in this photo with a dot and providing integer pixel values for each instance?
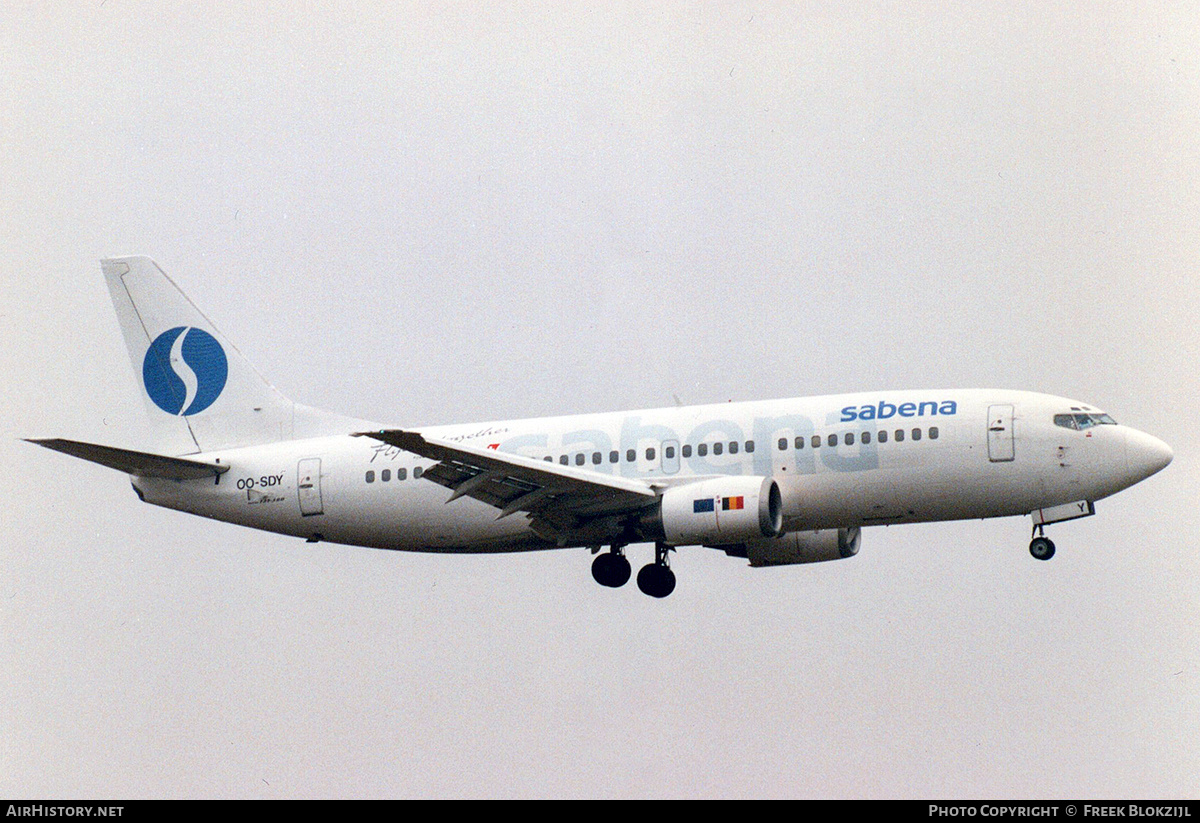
(728, 504)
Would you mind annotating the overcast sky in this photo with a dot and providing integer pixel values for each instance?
(429, 212)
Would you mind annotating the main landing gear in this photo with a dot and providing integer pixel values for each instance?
(611, 568)
(656, 579)
(1041, 547)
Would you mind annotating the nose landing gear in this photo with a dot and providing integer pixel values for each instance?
(1041, 547)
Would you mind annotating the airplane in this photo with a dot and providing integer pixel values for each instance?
(774, 482)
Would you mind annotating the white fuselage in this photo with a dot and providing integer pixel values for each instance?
(846, 460)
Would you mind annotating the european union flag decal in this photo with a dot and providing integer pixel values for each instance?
(706, 505)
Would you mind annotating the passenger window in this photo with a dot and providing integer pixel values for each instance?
(401, 474)
(614, 456)
(916, 434)
(749, 446)
(702, 449)
(596, 458)
(371, 477)
(579, 458)
(933, 432)
(883, 437)
(849, 438)
(816, 441)
(418, 471)
(564, 460)
(866, 438)
(687, 451)
(799, 442)
(733, 447)
(385, 475)
(669, 452)
(630, 456)
(832, 439)
(783, 443)
(650, 454)
(899, 435)
(718, 448)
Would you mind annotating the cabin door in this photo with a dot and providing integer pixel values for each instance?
(308, 486)
(1000, 433)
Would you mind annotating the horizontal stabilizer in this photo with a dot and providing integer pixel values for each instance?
(142, 464)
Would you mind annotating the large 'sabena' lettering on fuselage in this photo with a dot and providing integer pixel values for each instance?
(883, 410)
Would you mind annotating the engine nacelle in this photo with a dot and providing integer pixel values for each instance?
(800, 547)
(721, 510)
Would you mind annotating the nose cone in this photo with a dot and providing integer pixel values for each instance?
(1145, 455)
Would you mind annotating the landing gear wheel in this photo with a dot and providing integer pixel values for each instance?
(656, 580)
(611, 569)
(1042, 548)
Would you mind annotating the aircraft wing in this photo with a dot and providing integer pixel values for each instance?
(560, 497)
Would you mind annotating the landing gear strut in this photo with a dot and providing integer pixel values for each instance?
(611, 568)
(656, 579)
(1041, 547)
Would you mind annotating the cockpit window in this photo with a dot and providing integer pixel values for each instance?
(1083, 420)
(1067, 421)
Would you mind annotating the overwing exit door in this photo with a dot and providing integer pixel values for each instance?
(670, 456)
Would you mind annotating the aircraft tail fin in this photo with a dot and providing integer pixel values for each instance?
(200, 392)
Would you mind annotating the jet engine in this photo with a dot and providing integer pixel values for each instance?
(800, 547)
(720, 510)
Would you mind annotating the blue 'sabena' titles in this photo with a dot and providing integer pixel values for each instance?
(884, 410)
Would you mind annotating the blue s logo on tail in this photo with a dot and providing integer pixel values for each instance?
(184, 370)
